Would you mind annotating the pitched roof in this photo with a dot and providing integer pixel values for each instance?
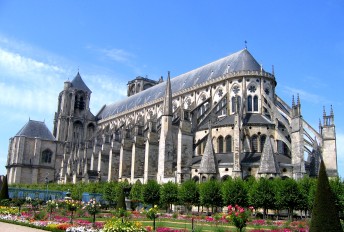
(79, 84)
(239, 61)
(36, 129)
(268, 163)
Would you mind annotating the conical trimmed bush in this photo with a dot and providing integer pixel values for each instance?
(325, 216)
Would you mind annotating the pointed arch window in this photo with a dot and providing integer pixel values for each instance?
(262, 142)
(46, 156)
(220, 144)
(254, 143)
(255, 103)
(228, 143)
(249, 103)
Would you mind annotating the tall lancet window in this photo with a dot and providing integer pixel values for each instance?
(228, 143)
(255, 103)
(220, 144)
(249, 103)
(254, 143)
(262, 142)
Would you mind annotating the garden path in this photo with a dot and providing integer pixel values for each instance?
(7, 227)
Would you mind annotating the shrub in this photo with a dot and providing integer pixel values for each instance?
(325, 216)
(122, 225)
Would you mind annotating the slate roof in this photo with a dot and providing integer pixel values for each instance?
(239, 61)
(36, 129)
(249, 119)
(79, 84)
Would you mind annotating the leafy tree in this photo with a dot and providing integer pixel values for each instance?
(307, 187)
(289, 195)
(262, 195)
(325, 215)
(210, 194)
(234, 192)
(189, 194)
(136, 194)
(120, 198)
(151, 192)
(337, 187)
(109, 192)
(4, 189)
(168, 194)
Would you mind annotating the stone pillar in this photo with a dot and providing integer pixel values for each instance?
(151, 157)
(138, 159)
(125, 159)
(184, 153)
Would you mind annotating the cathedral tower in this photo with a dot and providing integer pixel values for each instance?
(73, 117)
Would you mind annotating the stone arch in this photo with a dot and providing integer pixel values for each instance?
(220, 144)
(47, 156)
(90, 131)
(195, 178)
(78, 131)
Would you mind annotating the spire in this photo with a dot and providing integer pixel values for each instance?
(298, 99)
(320, 126)
(273, 70)
(331, 114)
(324, 112)
(167, 111)
(208, 162)
(293, 102)
(79, 84)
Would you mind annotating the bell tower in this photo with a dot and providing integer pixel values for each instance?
(73, 112)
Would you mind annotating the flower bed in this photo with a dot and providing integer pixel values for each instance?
(132, 221)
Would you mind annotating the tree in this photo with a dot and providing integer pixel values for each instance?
(289, 195)
(168, 194)
(120, 198)
(4, 189)
(325, 215)
(109, 193)
(262, 195)
(307, 187)
(136, 194)
(210, 194)
(234, 192)
(337, 188)
(151, 192)
(189, 194)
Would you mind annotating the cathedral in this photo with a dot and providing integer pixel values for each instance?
(221, 120)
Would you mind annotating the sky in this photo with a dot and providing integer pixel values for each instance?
(45, 43)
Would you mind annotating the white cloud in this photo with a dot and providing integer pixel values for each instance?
(118, 55)
(304, 95)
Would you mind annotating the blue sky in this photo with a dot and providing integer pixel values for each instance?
(44, 43)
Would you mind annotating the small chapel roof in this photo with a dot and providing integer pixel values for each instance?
(208, 162)
(239, 61)
(268, 162)
(36, 129)
(79, 84)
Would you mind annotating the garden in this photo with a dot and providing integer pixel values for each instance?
(255, 205)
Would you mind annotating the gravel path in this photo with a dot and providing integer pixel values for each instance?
(7, 227)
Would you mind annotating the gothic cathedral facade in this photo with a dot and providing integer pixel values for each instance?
(221, 120)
